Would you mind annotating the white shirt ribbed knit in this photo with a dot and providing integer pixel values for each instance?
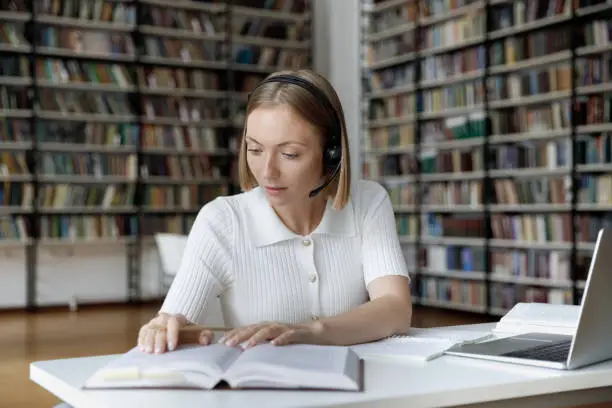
(238, 249)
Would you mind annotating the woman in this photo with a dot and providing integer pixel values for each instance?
(301, 256)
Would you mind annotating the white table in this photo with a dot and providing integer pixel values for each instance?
(446, 381)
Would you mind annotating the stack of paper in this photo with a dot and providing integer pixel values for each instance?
(418, 344)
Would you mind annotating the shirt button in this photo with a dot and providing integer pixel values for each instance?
(313, 277)
(306, 242)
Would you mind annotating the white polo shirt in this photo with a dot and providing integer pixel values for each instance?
(239, 250)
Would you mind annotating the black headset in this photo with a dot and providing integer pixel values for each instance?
(332, 154)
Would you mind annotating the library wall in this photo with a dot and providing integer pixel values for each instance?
(489, 123)
(82, 194)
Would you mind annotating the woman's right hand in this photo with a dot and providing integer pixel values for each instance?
(164, 333)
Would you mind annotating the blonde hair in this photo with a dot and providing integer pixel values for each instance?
(303, 103)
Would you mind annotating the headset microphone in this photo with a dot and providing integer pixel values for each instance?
(332, 154)
(326, 183)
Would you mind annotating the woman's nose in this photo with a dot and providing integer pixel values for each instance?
(271, 168)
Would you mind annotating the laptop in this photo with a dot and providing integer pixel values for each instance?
(590, 343)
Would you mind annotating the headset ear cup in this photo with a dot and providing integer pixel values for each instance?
(333, 156)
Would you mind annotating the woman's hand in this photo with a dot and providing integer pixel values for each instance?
(275, 333)
(164, 333)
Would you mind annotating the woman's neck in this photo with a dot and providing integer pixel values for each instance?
(305, 218)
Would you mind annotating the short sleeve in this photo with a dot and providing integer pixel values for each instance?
(205, 267)
(381, 249)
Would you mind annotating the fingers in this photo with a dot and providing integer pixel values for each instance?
(274, 333)
(160, 334)
(173, 326)
(142, 333)
(164, 334)
(241, 331)
(160, 341)
(149, 340)
(253, 335)
(265, 334)
(206, 337)
(237, 336)
(285, 338)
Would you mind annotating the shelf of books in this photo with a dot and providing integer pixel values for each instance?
(121, 118)
(489, 124)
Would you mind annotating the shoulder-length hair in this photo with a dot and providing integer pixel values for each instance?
(303, 103)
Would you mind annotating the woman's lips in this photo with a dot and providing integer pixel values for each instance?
(274, 190)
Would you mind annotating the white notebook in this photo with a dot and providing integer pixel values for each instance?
(418, 344)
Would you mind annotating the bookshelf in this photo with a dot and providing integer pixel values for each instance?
(121, 118)
(488, 121)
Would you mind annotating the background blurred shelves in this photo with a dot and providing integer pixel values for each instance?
(489, 124)
(120, 119)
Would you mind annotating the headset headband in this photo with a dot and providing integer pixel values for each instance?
(316, 92)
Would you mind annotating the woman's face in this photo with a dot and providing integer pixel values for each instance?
(284, 154)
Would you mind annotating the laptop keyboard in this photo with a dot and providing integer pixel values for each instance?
(546, 352)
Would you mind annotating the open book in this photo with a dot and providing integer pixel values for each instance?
(539, 317)
(419, 344)
(208, 367)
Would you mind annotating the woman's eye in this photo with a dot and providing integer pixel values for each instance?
(290, 156)
(254, 150)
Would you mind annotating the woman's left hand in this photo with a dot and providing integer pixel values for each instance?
(274, 333)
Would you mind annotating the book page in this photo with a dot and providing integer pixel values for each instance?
(443, 334)
(418, 351)
(137, 368)
(539, 317)
(419, 344)
(296, 366)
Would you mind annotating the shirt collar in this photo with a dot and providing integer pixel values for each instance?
(266, 228)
